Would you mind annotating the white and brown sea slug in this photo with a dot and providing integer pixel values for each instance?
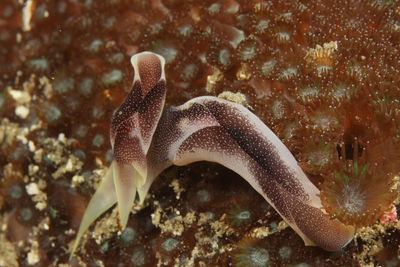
(146, 140)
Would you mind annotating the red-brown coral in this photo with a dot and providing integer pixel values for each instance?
(361, 186)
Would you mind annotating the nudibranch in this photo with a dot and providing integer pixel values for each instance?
(131, 133)
(147, 140)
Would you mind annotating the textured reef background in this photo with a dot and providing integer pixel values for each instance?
(324, 75)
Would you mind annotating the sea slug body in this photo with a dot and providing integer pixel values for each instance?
(146, 140)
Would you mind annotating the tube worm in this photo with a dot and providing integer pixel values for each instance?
(211, 129)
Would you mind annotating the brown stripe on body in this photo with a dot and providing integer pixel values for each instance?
(216, 140)
(171, 129)
(316, 226)
(149, 112)
(127, 109)
(135, 121)
(233, 140)
(128, 145)
(264, 163)
(223, 149)
(147, 73)
(213, 140)
(327, 233)
(256, 146)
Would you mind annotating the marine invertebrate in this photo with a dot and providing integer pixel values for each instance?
(322, 57)
(349, 196)
(346, 193)
(253, 256)
(132, 128)
(209, 35)
(211, 129)
(238, 216)
(246, 146)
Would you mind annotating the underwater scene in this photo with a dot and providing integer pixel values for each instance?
(199, 133)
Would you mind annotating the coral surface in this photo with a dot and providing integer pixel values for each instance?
(324, 75)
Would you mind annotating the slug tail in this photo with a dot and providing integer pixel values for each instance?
(126, 178)
(103, 199)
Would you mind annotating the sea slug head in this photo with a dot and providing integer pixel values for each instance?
(133, 126)
(132, 129)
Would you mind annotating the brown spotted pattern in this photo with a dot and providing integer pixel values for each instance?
(229, 134)
(150, 71)
(135, 121)
(146, 140)
(257, 146)
(132, 129)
